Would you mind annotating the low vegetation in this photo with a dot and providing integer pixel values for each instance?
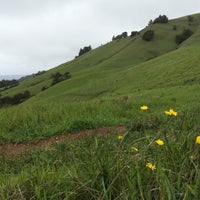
(6, 84)
(148, 35)
(134, 33)
(84, 50)
(57, 77)
(162, 19)
(184, 36)
(16, 99)
(120, 36)
(156, 158)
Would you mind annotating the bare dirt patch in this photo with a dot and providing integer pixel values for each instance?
(14, 149)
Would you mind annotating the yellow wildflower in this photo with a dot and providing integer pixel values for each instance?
(134, 149)
(198, 139)
(168, 113)
(151, 166)
(120, 137)
(159, 142)
(144, 107)
(171, 112)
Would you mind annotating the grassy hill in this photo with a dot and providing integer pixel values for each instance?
(158, 155)
(123, 66)
(114, 77)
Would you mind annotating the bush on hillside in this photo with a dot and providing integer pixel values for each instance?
(134, 33)
(40, 72)
(58, 77)
(150, 22)
(148, 35)
(184, 36)
(174, 27)
(190, 19)
(84, 50)
(44, 88)
(120, 36)
(8, 83)
(162, 19)
(16, 99)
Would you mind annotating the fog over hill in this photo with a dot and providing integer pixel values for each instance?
(10, 77)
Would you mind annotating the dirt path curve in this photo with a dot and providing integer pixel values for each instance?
(14, 149)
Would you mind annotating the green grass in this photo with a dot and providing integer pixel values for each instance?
(106, 168)
(39, 120)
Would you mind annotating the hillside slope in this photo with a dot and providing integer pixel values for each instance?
(124, 66)
(109, 84)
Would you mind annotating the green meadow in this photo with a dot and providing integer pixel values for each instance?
(158, 155)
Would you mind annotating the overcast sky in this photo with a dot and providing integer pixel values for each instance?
(41, 34)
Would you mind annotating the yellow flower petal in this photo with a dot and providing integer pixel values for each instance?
(198, 139)
(160, 142)
(171, 112)
(151, 166)
(144, 107)
(168, 113)
(134, 149)
(120, 137)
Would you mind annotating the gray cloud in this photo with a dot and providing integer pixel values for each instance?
(37, 35)
(30, 8)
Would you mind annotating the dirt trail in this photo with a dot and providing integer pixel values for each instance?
(14, 149)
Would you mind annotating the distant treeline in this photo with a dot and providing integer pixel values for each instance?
(58, 77)
(162, 19)
(84, 50)
(124, 35)
(16, 99)
(120, 36)
(8, 83)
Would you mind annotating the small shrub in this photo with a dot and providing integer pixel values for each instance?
(190, 19)
(8, 83)
(174, 27)
(84, 50)
(148, 35)
(133, 33)
(57, 77)
(184, 36)
(40, 72)
(150, 22)
(44, 88)
(67, 75)
(162, 19)
(120, 36)
(16, 99)
(57, 80)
